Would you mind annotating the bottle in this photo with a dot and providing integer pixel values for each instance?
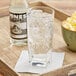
(18, 22)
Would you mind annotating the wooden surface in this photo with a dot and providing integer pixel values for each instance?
(64, 71)
(5, 70)
(69, 7)
(10, 54)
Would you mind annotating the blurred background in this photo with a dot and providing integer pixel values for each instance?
(68, 6)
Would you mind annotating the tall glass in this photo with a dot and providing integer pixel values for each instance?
(40, 32)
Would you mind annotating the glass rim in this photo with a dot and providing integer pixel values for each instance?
(40, 7)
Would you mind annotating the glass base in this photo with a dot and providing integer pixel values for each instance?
(40, 60)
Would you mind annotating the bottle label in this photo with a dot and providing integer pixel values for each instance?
(18, 25)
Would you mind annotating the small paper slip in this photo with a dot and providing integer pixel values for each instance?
(24, 66)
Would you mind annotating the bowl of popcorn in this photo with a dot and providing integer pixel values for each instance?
(69, 31)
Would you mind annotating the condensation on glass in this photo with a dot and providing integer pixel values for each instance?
(40, 32)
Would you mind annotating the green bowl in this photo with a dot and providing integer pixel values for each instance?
(69, 38)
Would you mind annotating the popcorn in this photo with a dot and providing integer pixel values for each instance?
(74, 15)
(70, 22)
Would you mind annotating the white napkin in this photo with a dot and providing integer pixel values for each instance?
(24, 66)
